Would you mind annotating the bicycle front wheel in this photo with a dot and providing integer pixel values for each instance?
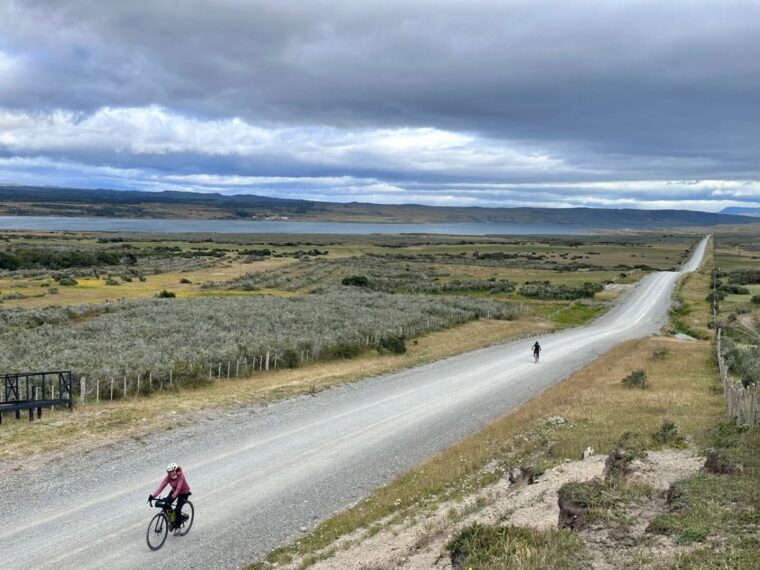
(189, 511)
(158, 529)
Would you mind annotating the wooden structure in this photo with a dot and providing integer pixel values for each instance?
(35, 390)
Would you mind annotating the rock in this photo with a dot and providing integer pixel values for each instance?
(304, 529)
(525, 474)
(588, 452)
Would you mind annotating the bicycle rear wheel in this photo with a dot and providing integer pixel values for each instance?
(158, 529)
(189, 510)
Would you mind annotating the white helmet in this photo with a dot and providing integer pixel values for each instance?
(171, 467)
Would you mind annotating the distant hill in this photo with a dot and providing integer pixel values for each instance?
(51, 201)
(736, 211)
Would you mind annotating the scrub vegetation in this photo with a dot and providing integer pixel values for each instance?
(114, 306)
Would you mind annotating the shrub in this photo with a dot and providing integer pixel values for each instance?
(755, 299)
(112, 281)
(715, 297)
(67, 281)
(290, 358)
(636, 379)
(164, 294)
(202, 330)
(185, 281)
(744, 277)
(734, 289)
(547, 290)
(356, 281)
(394, 344)
(668, 435)
(629, 448)
(342, 350)
(582, 493)
(660, 354)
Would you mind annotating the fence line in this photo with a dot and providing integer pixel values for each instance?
(175, 375)
(743, 402)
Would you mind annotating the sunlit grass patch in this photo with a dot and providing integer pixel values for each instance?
(577, 314)
(508, 547)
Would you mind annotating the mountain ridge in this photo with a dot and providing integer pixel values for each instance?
(18, 200)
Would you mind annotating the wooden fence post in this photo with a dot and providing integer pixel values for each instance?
(219, 372)
(112, 388)
(171, 374)
(237, 368)
(97, 391)
(82, 389)
(267, 364)
(150, 380)
(124, 393)
(228, 370)
(139, 377)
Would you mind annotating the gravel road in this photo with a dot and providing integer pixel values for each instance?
(260, 474)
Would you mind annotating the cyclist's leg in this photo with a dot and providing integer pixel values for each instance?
(181, 500)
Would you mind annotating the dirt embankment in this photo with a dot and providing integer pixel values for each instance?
(419, 542)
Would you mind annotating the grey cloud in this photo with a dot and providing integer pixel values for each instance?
(620, 90)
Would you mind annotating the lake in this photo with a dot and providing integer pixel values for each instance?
(277, 227)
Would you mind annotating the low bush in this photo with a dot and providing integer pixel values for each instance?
(668, 436)
(744, 277)
(356, 281)
(636, 379)
(164, 294)
(341, 350)
(660, 354)
(394, 344)
(734, 289)
(547, 290)
(290, 358)
(630, 447)
(185, 281)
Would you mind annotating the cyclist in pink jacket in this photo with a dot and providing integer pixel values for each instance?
(175, 478)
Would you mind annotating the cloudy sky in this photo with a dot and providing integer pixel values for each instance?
(646, 104)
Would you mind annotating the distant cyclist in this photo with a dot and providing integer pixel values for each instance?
(180, 490)
(536, 351)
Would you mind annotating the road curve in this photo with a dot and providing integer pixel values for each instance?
(260, 474)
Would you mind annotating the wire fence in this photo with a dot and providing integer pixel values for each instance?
(743, 402)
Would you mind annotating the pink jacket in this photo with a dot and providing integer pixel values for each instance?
(178, 485)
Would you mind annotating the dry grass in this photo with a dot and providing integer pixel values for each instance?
(94, 425)
(96, 291)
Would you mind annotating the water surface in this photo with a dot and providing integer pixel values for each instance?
(277, 227)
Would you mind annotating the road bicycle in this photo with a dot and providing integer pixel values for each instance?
(158, 529)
